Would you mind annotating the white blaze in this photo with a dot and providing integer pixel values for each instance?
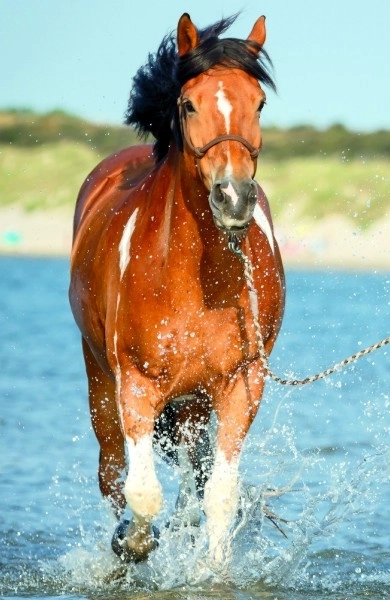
(124, 244)
(224, 106)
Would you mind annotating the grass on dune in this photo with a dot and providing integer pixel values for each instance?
(320, 186)
(45, 177)
(49, 176)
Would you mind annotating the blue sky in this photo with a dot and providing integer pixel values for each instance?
(331, 58)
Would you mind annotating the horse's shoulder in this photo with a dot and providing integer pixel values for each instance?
(125, 167)
(136, 162)
(120, 171)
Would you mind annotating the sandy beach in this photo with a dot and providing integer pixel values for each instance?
(331, 243)
(35, 233)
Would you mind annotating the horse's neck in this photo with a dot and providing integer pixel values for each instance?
(193, 236)
(191, 217)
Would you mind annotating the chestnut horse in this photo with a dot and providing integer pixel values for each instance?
(161, 302)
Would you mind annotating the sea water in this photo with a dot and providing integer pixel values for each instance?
(314, 511)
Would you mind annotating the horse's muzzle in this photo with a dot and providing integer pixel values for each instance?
(232, 204)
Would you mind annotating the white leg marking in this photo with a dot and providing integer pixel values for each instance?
(124, 244)
(225, 108)
(262, 222)
(221, 503)
(143, 491)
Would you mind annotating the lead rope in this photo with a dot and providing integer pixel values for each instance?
(248, 273)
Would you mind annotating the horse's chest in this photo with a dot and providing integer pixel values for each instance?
(197, 342)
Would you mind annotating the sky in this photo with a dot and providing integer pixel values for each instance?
(331, 58)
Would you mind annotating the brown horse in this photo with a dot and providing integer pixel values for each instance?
(161, 302)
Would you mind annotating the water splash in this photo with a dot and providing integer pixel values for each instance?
(261, 555)
(332, 501)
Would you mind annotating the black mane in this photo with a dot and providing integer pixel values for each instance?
(152, 105)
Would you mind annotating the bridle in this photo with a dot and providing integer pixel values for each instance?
(200, 152)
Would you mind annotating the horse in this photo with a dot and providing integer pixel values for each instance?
(160, 300)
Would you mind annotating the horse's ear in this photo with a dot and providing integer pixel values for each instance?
(258, 32)
(187, 35)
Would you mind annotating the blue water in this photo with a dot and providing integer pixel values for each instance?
(326, 447)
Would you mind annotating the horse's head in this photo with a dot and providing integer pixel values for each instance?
(219, 110)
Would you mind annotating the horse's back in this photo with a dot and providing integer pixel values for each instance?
(118, 172)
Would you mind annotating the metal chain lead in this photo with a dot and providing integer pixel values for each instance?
(248, 273)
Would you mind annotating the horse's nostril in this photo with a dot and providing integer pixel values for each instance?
(252, 194)
(226, 193)
(233, 195)
(219, 195)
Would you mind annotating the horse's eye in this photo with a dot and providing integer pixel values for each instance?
(261, 106)
(188, 107)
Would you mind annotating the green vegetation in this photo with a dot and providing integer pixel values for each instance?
(45, 177)
(28, 129)
(24, 128)
(319, 186)
(45, 158)
(337, 140)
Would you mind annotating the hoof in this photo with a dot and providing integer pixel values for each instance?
(118, 541)
(132, 546)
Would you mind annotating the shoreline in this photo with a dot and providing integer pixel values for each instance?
(333, 243)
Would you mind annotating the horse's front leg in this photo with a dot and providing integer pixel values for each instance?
(236, 406)
(107, 427)
(137, 399)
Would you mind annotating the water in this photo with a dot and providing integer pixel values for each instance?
(326, 447)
